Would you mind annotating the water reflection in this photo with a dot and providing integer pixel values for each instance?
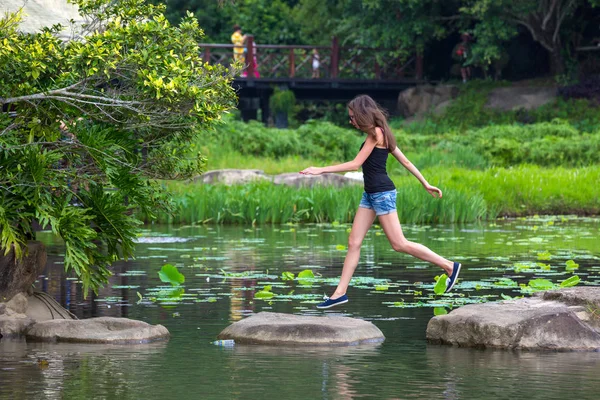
(63, 370)
(404, 366)
(501, 374)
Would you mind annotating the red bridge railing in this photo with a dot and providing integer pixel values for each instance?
(335, 61)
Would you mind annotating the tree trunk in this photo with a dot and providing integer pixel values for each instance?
(557, 61)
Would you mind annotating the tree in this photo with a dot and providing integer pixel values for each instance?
(268, 20)
(401, 26)
(91, 124)
(544, 19)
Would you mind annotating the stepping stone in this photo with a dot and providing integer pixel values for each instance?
(558, 320)
(289, 329)
(96, 330)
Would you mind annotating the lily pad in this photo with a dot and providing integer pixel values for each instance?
(170, 274)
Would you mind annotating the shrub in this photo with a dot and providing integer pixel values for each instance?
(587, 89)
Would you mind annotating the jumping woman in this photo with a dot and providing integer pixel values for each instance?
(379, 197)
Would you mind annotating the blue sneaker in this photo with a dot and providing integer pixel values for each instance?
(453, 278)
(328, 303)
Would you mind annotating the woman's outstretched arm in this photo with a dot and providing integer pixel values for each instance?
(434, 191)
(347, 166)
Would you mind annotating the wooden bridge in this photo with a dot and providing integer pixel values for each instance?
(344, 72)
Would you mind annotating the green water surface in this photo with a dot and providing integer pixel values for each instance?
(224, 267)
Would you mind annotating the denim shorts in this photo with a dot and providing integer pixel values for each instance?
(382, 202)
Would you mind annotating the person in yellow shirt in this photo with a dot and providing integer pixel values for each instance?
(238, 44)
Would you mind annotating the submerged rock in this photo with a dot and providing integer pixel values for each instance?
(565, 320)
(96, 330)
(288, 329)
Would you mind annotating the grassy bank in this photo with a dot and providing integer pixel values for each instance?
(488, 163)
(468, 196)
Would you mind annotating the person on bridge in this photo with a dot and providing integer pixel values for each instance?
(315, 64)
(238, 44)
(379, 197)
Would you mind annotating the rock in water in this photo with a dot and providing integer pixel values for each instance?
(537, 323)
(96, 330)
(288, 329)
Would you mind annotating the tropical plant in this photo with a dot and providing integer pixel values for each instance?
(91, 123)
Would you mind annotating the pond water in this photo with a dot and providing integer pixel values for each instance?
(225, 266)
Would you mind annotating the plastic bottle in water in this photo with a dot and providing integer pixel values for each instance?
(224, 343)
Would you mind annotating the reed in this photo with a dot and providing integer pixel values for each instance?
(266, 203)
(469, 195)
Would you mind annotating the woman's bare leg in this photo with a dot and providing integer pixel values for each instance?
(393, 231)
(362, 222)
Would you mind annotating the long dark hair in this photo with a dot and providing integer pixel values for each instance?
(368, 115)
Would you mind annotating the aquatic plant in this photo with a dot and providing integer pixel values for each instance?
(170, 274)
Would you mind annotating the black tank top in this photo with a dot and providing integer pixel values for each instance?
(374, 171)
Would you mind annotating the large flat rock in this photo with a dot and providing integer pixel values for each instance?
(537, 323)
(278, 328)
(96, 330)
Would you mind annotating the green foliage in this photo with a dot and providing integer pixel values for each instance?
(287, 276)
(570, 282)
(540, 284)
(268, 20)
(439, 311)
(547, 144)
(264, 202)
(469, 195)
(317, 140)
(94, 121)
(264, 294)
(440, 284)
(170, 274)
(282, 101)
(305, 277)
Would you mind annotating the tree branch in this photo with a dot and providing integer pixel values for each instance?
(549, 14)
(560, 18)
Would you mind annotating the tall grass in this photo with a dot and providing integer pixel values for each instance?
(224, 157)
(266, 203)
(468, 196)
(526, 189)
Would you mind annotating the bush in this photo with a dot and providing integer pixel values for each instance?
(587, 89)
(316, 140)
(549, 144)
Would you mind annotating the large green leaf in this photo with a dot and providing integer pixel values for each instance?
(541, 284)
(170, 274)
(572, 281)
(440, 285)
(439, 311)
